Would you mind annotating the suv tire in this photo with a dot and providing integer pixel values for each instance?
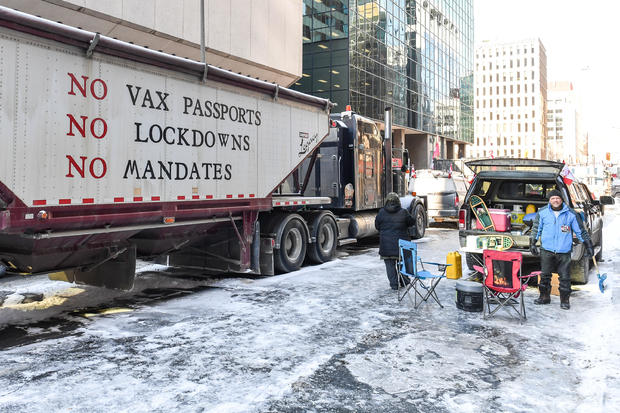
(580, 270)
(472, 259)
(599, 256)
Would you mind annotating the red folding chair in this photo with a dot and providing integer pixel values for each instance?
(503, 285)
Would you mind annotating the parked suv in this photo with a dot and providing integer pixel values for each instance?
(440, 191)
(517, 186)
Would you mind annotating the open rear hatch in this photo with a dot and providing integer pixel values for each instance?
(516, 166)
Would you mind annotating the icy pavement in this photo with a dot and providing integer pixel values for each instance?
(329, 338)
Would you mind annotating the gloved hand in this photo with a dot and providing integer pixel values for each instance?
(533, 248)
(589, 248)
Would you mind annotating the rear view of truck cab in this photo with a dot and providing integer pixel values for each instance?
(513, 190)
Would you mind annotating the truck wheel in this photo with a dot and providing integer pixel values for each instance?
(599, 256)
(472, 259)
(293, 241)
(324, 248)
(420, 221)
(579, 270)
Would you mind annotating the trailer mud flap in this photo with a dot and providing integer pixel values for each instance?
(266, 256)
(118, 273)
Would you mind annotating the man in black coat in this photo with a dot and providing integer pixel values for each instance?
(392, 222)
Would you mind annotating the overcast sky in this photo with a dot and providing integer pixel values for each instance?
(581, 39)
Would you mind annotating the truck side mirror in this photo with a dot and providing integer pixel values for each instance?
(607, 200)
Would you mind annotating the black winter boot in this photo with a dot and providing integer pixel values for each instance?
(544, 297)
(564, 301)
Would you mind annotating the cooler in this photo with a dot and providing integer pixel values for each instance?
(469, 296)
(501, 219)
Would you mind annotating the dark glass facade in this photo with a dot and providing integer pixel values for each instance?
(415, 56)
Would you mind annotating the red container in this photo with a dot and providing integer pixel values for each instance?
(501, 219)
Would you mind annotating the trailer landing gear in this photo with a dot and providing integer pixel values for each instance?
(117, 271)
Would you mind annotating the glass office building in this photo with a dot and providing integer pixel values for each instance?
(414, 56)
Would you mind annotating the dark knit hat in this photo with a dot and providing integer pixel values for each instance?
(554, 192)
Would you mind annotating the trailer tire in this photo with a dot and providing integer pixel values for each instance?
(420, 221)
(293, 244)
(323, 249)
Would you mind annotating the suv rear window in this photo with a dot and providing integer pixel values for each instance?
(525, 190)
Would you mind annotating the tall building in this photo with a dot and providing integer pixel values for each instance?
(258, 38)
(565, 140)
(510, 100)
(413, 56)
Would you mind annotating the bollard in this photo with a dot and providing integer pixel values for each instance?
(454, 271)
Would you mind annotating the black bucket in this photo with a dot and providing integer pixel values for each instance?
(469, 296)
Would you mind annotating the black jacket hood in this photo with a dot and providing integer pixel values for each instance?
(392, 202)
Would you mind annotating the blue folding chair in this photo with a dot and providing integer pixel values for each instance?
(422, 282)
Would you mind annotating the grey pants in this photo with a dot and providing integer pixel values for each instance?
(390, 269)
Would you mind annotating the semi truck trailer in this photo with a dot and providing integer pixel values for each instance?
(111, 151)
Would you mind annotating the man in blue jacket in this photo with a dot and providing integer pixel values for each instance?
(554, 225)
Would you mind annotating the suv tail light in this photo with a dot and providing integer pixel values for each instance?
(456, 200)
(462, 218)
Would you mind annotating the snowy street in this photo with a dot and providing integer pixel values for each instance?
(328, 338)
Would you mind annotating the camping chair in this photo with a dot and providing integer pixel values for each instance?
(503, 284)
(414, 279)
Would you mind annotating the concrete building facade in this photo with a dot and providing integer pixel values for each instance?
(510, 103)
(258, 38)
(565, 140)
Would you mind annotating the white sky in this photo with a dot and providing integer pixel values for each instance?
(581, 42)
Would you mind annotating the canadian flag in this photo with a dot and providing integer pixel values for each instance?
(567, 175)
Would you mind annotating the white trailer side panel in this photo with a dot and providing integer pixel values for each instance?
(101, 130)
